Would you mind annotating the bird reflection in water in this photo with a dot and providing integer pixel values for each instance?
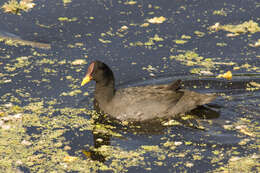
(153, 127)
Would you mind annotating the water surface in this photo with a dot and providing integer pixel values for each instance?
(56, 128)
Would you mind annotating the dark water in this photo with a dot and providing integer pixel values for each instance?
(50, 79)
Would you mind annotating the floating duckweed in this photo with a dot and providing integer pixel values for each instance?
(185, 37)
(17, 41)
(227, 75)
(256, 44)
(221, 44)
(45, 61)
(255, 84)
(79, 62)
(157, 38)
(150, 68)
(190, 58)
(47, 135)
(149, 43)
(221, 12)
(48, 70)
(71, 93)
(130, 2)
(144, 25)
(65, 2)
(157, 20)
(104, 41)
(180, 41)
(240, 164)
(199, 34)
(12, 6)
(188, 142)
(158, 163)
(189, 164)
(68, 19)
(248, 26)
(150, 147)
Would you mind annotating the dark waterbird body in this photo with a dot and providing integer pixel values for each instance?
(141, 103)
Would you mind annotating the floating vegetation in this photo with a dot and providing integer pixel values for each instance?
(180, 41)
(66, 2)
(227, 75)
(144, 25)
(255, 84)
(252, 86)
(199, 33)
(130, 2)
(104, 41)
(221, 44)
(149, 43)
(183, 40)
(17, 41)
(221, 12)
(123, 28)
(69, 159)
(185, 37)
(256, 44)
(241, 164)
(248, 26)
(157, 20)
(67, 19)
(190, 58)
(47, 122)
(79, 62)
(12, 6)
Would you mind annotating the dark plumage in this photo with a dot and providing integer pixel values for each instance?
(141, 103)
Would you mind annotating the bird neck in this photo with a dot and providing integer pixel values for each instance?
(105, 91)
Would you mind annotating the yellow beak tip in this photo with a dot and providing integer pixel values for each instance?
(85, 80)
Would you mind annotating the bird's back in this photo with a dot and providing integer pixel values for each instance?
(156, 101)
